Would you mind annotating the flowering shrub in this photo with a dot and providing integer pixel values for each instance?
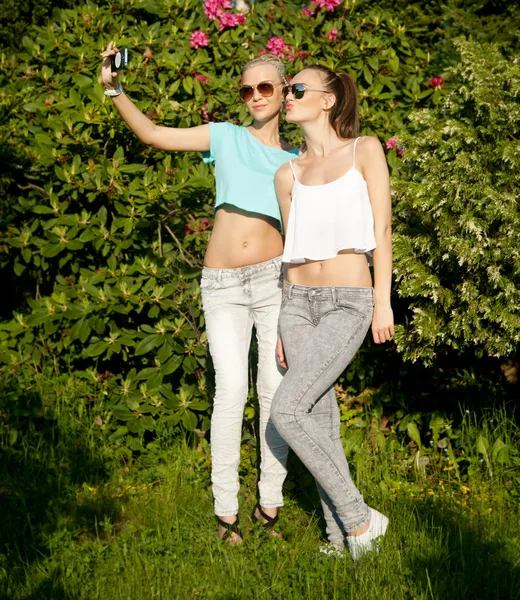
(104, 237)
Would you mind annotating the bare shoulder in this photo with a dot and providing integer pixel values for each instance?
(369, 145)
(284, 174)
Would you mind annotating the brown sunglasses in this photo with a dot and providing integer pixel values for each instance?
(266, 89)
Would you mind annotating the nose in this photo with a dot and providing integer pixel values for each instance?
(257, 95)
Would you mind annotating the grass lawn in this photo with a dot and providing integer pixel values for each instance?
(149, 532)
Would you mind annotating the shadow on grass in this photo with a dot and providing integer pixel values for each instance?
(470, 560)
(445, 554)
(40, 477)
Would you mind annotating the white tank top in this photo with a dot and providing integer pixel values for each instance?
(327, 218)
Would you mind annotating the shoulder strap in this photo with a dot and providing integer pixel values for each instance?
(354, 153)
(292, 169)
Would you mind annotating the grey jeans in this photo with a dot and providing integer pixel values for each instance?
(234, 300)
(321, 328)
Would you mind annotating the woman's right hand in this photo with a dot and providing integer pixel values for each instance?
(280, 354)
(110, 79)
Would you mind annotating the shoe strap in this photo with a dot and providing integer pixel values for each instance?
(271, 521)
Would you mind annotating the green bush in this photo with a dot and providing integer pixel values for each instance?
(457, 235)
(106, 236)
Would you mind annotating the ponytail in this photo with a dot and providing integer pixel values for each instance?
(343, 116)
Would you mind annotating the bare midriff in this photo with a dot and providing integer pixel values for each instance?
(347, 269)
(240, 239)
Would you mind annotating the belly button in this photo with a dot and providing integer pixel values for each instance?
(245, 244)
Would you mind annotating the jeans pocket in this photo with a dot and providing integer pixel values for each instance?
(360, 305)
(207, 284)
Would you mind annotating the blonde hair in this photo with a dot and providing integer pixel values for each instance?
(267, 59)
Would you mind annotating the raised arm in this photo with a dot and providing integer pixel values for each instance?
(372, 160)
(164, 138)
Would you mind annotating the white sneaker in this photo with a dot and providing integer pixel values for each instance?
(331, 550)
(359, 545)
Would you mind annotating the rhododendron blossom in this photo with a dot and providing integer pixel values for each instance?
(436, 81)
(230, 20)
(391, 143)
(199, 39)
(201, 77)
(328, 5)
(278, 46)
(214, 8)
(332, 35)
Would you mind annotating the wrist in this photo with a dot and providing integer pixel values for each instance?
(382, 301)
(114, 91)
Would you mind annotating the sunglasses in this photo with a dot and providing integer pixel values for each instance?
(298, 90)
(265, 88)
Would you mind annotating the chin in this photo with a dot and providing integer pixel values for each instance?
(291, 118)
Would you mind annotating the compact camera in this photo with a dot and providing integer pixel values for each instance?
(120, 60)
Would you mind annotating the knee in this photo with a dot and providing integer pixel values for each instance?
(230, 394)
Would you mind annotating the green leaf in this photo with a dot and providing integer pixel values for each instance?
(172, 365)
(189, 420)
(146, 345)
(413, 432)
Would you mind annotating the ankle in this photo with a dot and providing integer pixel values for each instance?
(272, 512)
(359, 530)
(227, 519)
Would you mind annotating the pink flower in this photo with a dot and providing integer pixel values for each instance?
(200, 77)
(328, 5)
(214, 8)
(278, 46)
(391, 143)
(199, 39)
(226, 19)
(332, 35)
(400, 152)
(196, 226)
(307, 12)
(262, 51)
(436, 81)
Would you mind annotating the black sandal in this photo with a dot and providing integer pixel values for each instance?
(270, 521)
(230, 528)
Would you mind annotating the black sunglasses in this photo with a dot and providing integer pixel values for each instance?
(266, 89)
(298, 90)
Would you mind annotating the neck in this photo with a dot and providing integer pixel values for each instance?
(268, 132)
(320, 138)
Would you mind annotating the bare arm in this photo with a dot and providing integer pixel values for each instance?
(283, 183)
(375, 171)
(164, 138)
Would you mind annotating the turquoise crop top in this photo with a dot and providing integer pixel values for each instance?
(244, 169)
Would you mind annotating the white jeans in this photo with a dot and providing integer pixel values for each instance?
(234, 300)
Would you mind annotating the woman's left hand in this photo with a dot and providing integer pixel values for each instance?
(382, 324)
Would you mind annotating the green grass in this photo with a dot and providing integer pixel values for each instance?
(76, 524)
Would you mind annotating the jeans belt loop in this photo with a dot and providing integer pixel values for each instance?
(219, 275)
(333, 291)
(289, 290)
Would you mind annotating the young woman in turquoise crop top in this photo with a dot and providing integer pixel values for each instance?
(241, 279)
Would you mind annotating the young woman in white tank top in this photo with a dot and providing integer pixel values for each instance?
(335, 202)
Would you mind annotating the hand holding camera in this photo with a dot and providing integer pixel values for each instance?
(113, 61)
